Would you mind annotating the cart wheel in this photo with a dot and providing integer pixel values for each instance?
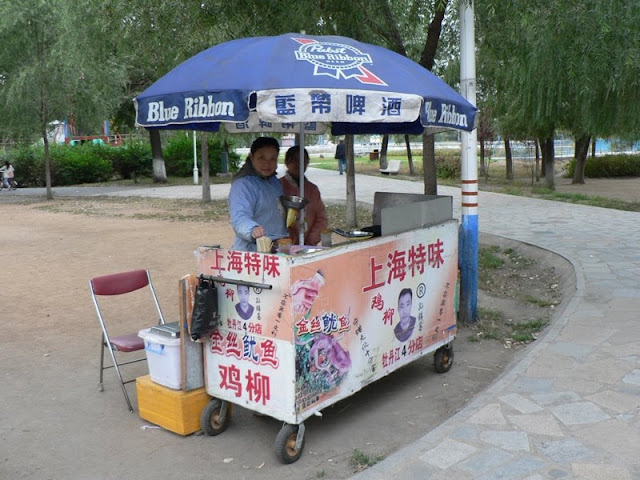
(286, 444)
(215, 417)
(443, 358)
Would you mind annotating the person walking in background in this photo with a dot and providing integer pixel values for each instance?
(8, 173)
(315, 213)
(341, 155)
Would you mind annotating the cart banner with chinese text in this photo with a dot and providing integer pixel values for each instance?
(332, 322)
(378, 305)
(249, 358)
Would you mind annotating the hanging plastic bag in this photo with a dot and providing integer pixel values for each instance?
(205, 309)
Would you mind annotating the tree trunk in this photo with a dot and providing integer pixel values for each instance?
(508, 159)
(412, 169)
(159, 171)
(593, 147)
(429, 164)
(433, 36)
(548, 162)
(427, 58)
(482, 153)
(537, 142)
(383, 152)
(204, 154)
(581, 150)
(352, 219)
(541, 143)
(47, 164)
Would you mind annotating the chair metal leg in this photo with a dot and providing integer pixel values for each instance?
(100, 385)
(117, 369)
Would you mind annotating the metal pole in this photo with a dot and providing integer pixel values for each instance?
(468, 240)
(303, 223)
(195, 160)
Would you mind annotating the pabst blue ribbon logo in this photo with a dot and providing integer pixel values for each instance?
(336, 60)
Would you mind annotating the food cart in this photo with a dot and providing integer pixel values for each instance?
(321, 324)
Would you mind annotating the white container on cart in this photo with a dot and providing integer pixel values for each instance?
(163, 357)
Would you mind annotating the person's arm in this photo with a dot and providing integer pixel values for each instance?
(241, 198)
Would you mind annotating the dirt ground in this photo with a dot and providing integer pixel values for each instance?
(56, 425)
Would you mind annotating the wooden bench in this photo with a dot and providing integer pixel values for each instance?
(392, 168)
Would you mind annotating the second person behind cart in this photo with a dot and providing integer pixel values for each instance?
(315, 213)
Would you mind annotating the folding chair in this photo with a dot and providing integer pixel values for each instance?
(119, 284)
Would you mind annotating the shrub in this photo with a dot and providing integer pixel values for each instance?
(620, 165)
(178, 155)
(29, 165)
(86, 163)
(69, 165)
(133, 159)
(448, 165)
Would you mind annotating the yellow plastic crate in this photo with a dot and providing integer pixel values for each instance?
(175, 410)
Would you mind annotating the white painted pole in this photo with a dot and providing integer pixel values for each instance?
(195, 160)
(469, 229)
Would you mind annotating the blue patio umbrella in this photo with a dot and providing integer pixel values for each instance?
(295, 78)
(301, 83)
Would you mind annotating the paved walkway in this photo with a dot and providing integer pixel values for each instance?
(571, 407)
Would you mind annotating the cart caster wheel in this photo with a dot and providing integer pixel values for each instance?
(100, 387)
(443, 358)
(215, 417)
(286, 450)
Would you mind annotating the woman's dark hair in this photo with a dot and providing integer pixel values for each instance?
(261, 142)
(291, 153)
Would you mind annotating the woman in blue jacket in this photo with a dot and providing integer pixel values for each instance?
(254, 199)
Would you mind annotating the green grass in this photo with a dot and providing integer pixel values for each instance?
(360, 460)
(487, 257)
(492, 325)
(527, 331)
(538, 301)
(488, 325)
(517, 260)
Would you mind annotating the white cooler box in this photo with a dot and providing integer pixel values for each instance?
(163, 357)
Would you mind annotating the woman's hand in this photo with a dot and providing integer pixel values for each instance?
(258, 232)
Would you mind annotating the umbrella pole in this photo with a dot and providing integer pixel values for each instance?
(303, 225)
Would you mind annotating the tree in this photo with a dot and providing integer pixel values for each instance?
(145, 32)
(55, 63)
(561, 65)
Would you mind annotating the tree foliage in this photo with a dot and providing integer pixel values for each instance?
(573, 66)
(56, 63)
